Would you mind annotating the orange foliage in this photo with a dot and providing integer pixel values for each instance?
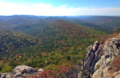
(61, 41)
(39, 39)
(63, 69)
(26, 77)
(116, 63)
(43, 53)
(47, 74)
(105, 37)
(10, 51)
(65, 47)
(30, 46)
(17, 55)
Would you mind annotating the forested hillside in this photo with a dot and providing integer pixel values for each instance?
(102, 28)
(4, 25)
(59, 43)
(106, 21)
(19, 21)
(48, 42)
(29, 17)
(115, 23)
(11, 41)
(56, 26)
(100, 23)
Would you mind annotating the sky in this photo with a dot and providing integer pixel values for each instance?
(60, 7)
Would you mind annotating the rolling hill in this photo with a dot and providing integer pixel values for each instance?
(46, 20)
(5, 25)
(97, 19)
(55, 44)
(115, 23)
(28, 17)
(11, 41)
(58, 44)
(101, 23)
(60, 35)
(92, 25)
(19, 21)
(34, 29)
(106, 21)
(73, 20)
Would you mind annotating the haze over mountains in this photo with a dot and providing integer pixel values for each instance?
(95, 22)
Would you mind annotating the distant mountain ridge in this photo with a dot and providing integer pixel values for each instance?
(107, 21)
(59, 24)
(106, 24)
(19, 21)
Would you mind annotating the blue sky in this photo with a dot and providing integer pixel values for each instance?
(60, 7)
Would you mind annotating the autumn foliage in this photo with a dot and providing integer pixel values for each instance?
(116, 63)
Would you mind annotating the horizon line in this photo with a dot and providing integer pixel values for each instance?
(55, 15)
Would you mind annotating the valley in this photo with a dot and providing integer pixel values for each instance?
(51, 42)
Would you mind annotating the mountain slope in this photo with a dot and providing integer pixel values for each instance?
(92, 26)
(60, 26)
(97, 19)
(11, 41)
(60, 34)
(60, 44)
(19, 21)
(4, 25)
(28, 17)
(46, 20)
(115, 23)
(107, 21)
(106, 24)
(75, 20)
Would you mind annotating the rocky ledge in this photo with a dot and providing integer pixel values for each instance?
(22, 71)
(100, 60)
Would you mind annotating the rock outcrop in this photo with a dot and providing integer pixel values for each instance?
(90, 60)
(22, 71)
(97, 63)
(103, 68)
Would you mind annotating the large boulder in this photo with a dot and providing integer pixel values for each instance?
(97, 63)
(90, 60)
(103, 68)
(24, 69)
(5, 75)
(41, 70)
(21, 71)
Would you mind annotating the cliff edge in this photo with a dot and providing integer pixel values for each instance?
(103, 60)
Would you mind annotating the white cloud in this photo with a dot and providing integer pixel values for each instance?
(49, 10)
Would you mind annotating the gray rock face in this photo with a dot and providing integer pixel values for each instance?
(21, 71)
(118, 76)
(97, 65)
(110, 50)
(103, 68)
(95, 46)
(91, 58)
